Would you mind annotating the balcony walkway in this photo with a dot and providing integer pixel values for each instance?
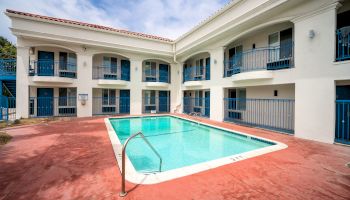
(73, 159)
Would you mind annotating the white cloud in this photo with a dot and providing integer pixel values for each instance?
(167, 18)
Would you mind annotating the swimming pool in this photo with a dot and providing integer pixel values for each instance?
(185, 146)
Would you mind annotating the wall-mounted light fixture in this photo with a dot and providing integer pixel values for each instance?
(31, 50)
(215, 61)
(84, 48)
(311, 34)
(83, 98)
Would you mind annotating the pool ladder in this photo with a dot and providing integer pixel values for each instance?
(123, 193)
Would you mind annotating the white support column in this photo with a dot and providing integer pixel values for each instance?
(135, 87)
(175, 87)
(84, 73)
(315, 109)
(22, 87)
(315, 85)
(216, 90)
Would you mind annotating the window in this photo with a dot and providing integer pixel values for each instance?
(198, 98)
(110, 64)
(235, 56)
(242, 101)
(68, 61)
(67, 96)
(150, 71)
(280, 45)
(199, 67)
(108, 97)
(275, 93)
(150, 97)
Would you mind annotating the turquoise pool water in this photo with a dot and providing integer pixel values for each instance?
(179, 142)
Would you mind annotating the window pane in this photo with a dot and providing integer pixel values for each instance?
(62, 100)
(273, 40)
(153, 97)
(72, 61)
(112, 97)
(106, 61)
(105, 97)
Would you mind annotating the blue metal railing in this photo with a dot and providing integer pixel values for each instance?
(52, 68)
(198, 105)
(274, 114)
(195, 73)
(7, 108)
(157, 104)
(52, 106)
(110, 105)
(342, 125)
(110, 73)
(267, 58)
(343, 44)
(8, 67)
(152, 75)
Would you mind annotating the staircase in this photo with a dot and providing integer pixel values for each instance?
(10, 86)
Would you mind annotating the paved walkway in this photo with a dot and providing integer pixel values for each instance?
(74, 160)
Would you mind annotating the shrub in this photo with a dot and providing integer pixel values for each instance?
(4, 138)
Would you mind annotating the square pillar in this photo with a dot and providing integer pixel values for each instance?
(135, 87)
(22, 87)
(315, 109)
(216, 90)
(84, 73)
(175, 88)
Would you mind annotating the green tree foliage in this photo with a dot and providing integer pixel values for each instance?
(7, 49)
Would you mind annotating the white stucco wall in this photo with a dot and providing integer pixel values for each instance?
(311, 82)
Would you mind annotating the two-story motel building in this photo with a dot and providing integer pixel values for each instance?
(276, 64)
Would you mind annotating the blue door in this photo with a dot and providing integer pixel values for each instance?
(124, 103)
(125, 70)
(163, 101)
(207, 104)
(45, 65)
(207, 68)
(44, 102)
(342, 126)
(164, 73)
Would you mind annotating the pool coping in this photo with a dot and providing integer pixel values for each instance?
(153, 178)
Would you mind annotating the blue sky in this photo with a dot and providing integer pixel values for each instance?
(167, 18)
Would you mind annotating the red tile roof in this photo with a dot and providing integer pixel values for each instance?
(66, 21)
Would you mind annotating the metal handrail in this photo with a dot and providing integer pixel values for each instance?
(123, 193)
(194, 114)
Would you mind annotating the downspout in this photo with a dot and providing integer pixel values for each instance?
(174, 52)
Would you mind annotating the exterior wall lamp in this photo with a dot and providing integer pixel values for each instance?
(311, 34)
(83, 98)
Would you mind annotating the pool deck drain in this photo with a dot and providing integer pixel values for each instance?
(75, 160)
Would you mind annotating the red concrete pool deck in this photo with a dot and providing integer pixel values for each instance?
(74, 160)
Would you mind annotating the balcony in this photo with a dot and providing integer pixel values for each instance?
(259, 63)
(52, 106)
(194, 75)
(343, 44)
(274, 114)
(156, 78)
(155, 101)
(198, 105)
(110, 105)
(52, 71)
(110, 75)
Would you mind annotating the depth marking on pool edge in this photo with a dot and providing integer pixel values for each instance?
(237, 158)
